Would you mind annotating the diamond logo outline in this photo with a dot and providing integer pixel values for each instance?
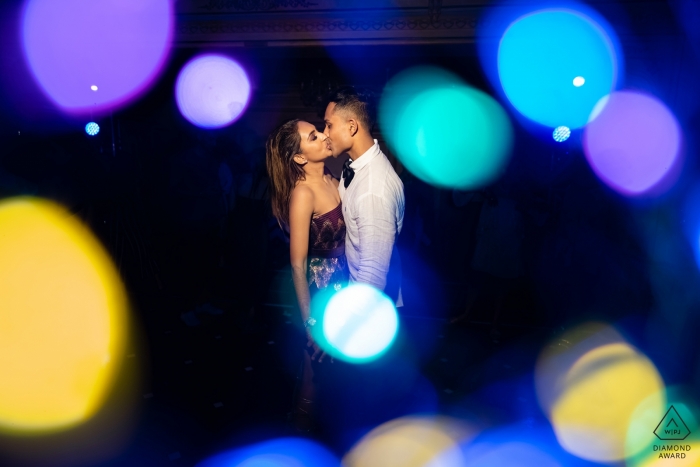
(675, 415)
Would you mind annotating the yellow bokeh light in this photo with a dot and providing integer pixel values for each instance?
(558, 357)
(63, 319)
(411, 442)
(602, 391)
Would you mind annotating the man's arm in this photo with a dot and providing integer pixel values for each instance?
(377, 233)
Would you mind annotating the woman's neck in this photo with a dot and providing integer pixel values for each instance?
(314, 171)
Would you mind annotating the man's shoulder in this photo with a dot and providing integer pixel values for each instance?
(382, 162)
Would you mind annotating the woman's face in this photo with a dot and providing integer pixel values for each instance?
(315, 146)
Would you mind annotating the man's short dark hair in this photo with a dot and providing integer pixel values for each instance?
(360, 102)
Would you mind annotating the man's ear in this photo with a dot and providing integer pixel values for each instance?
(300, 159)
(353, 126)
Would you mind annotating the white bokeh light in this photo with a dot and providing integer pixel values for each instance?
(561, 134)
(212, 91)
(360, 323)
(579, 81)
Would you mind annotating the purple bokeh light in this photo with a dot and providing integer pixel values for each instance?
(94, 56)
(212, 91)
(633, 144)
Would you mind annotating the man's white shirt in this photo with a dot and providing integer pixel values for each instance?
(373, 208)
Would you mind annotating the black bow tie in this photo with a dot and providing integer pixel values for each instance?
(348, 172)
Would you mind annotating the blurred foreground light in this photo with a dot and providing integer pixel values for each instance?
(63, 315)
(212, 91)
(445, 132)
(591, 383)
(633, 143)
(561, 134)
(542, 50)
(92, 128)
(527, 444)
(284, 452)
(357, 324)
(412, 442)
(691, 220)
(72, 44)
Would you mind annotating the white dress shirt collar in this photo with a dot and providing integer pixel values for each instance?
(366, 157)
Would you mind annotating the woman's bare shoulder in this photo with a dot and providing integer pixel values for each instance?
(301, 194)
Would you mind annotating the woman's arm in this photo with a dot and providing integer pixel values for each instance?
(300, 213)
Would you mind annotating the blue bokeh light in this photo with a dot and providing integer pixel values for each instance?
(531, 442)
(283, 452)
(554, 61)
(561, 134)
(691, 220)
(92, 128)
(542, 53)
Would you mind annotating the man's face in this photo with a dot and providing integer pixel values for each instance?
(337, 130)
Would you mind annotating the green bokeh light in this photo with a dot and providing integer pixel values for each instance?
(445, 132)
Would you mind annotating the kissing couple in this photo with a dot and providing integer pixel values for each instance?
(340, 231)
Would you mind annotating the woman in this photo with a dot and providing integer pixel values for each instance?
(306, 203)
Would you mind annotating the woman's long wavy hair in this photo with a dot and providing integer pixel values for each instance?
(281, 147)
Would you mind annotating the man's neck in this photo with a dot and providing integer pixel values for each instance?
(360, 147)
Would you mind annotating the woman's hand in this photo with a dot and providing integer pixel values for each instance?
(317, 350)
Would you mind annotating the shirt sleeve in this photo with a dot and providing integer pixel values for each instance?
(377, 233)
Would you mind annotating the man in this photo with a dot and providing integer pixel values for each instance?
(371, 192)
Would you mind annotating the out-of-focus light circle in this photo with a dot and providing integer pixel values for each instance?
(633, 143)
(606, 385)
(358, 323)
(283, 452)
(92, 128)
(579, 81)
(538, 54)
(411, 442)
(72, 44)
(504, 455)
(93, 87)
(591, 385)
(212, 91)
(691, 220)
(444, 131)
(63, 315)
(527, 444)
(561, 134)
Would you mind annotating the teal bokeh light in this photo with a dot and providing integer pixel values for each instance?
(357, 324)
(554, 65)
(445, 132)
